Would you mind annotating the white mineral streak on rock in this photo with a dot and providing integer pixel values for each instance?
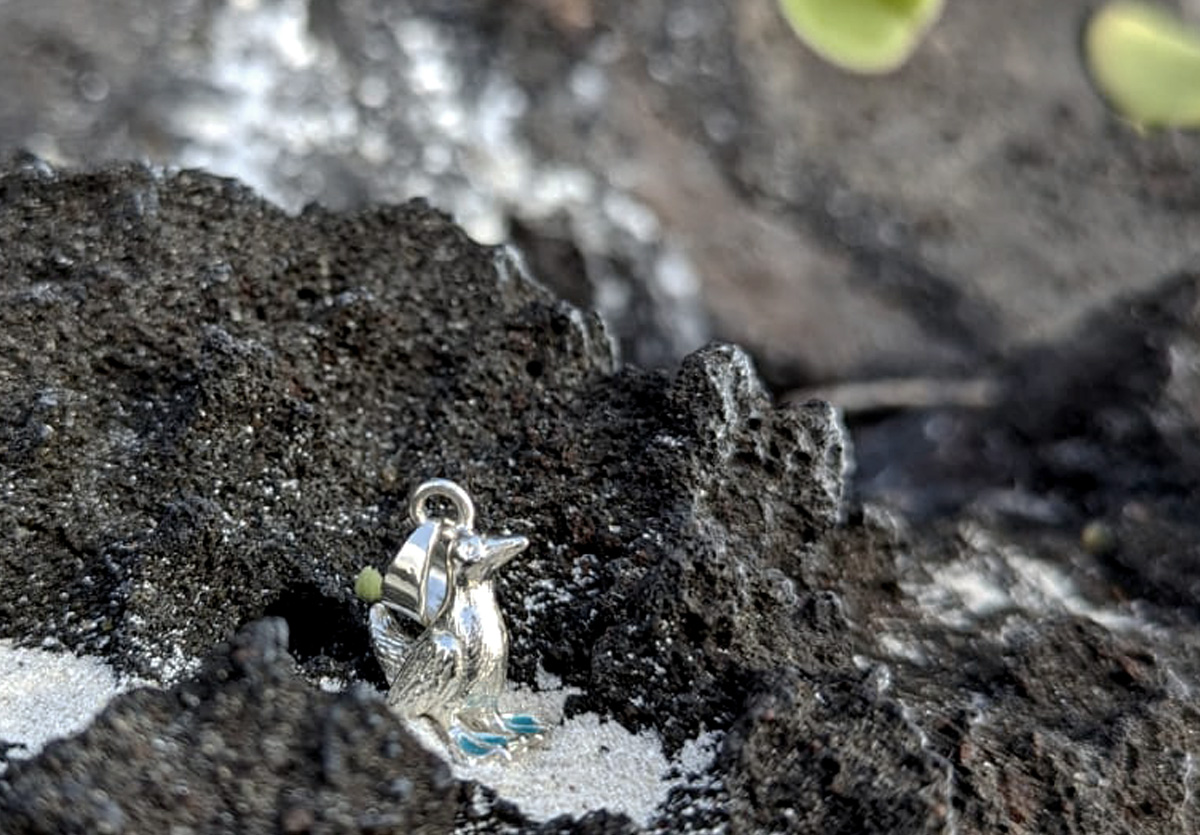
(736, 383)
(838, 460)
(995, 578)
(1189, 814)
(913, 724)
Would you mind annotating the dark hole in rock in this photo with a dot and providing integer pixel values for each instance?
(1121, 678)
(694, 627)
(534, 368)
(723, 633)
(829, 769)
(326, 636)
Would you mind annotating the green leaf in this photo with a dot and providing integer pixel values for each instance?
(1146, 62)
(369, 585)
(864, 36)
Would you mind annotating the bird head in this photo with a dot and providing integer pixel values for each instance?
(479, 556)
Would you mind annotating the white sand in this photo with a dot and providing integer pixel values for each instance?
(584, 764)
(47, 695)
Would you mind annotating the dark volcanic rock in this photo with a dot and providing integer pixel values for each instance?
(212, 412)
(246, 747)
(216, 408)
(802, 763)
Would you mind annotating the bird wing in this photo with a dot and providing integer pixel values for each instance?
(426, 683)
(390, 643)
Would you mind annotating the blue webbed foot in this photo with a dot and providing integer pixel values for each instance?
(522, 724)
(478, 743)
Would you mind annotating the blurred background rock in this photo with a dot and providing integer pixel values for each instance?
(686, 166)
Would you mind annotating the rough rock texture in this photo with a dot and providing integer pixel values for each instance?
(211, 412)
(246, 747)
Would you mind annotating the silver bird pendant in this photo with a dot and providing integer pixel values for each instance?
(455, 671)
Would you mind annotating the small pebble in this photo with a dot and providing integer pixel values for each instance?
(1097, 538)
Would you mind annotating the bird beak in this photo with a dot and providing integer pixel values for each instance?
(500, 550)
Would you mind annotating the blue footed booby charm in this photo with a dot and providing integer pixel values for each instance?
(453, 672)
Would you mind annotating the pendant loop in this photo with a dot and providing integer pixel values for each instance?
(442, 488)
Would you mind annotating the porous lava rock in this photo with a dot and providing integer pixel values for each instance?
(212, 412)
(247, 746)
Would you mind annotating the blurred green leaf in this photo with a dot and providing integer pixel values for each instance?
(368, 585)
(1146, 62)
(864, 36)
